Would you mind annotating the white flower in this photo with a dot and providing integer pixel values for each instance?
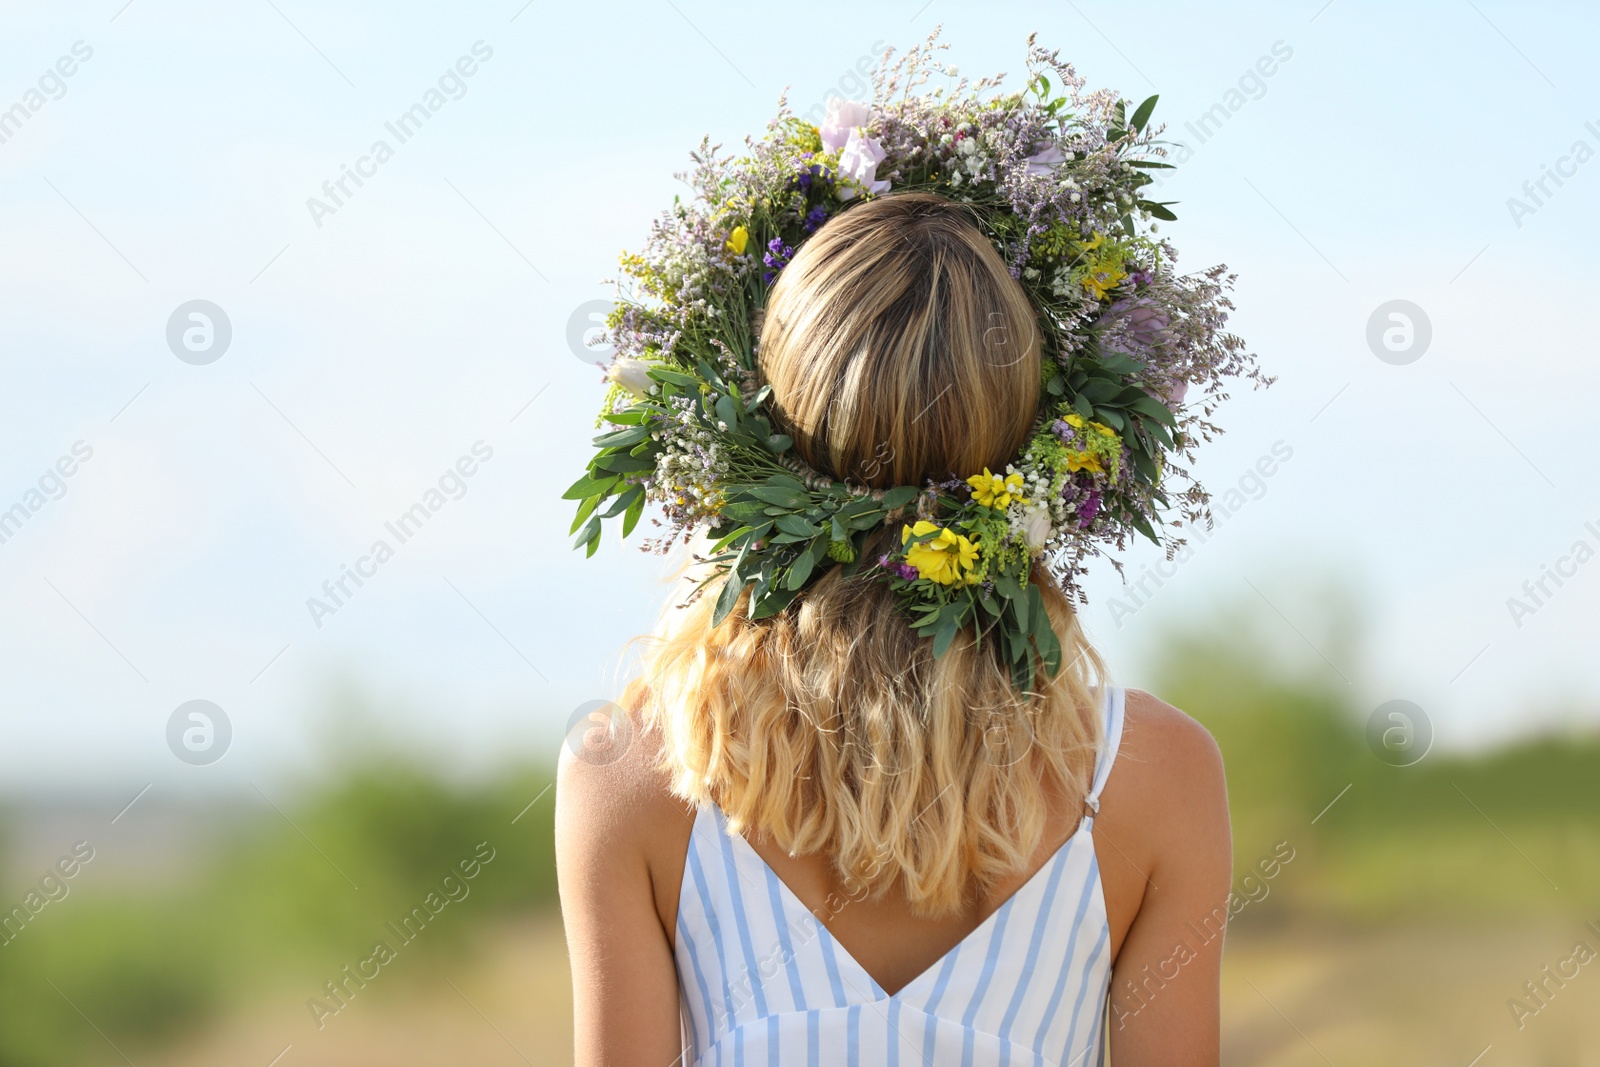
(858, 162)
(1036, 527)
(843, 117)
(632, 374)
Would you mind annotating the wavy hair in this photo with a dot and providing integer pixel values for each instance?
(899, 348)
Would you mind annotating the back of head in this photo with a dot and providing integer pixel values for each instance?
(899, 349)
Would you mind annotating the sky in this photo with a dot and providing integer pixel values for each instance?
(412, 334)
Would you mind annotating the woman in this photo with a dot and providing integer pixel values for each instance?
(824, 844)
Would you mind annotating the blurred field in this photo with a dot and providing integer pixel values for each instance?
(1418, 902)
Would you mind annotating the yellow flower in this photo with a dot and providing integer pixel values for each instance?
(738, 239)
(1103, 274)
(947, 559)
(1084, 461)
(993, 491)
(1075, 420)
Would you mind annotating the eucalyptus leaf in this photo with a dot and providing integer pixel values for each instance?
(585, 509)
(627, 436)
(589, 486)
(623, 502)
(1142, 114)
(946, 633)
(631, 518)
(590, 533)
(899, 497)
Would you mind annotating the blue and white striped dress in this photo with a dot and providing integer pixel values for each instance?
(763, 982)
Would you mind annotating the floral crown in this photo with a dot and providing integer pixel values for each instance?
(1056, 180)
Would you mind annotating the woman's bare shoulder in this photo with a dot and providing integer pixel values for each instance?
(1168, 778)
(614, 806)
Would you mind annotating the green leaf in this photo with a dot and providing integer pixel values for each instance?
(588, 486)
(945, 633)
(731, 588)
(795, 524)
(1141, 524)
(784, 498)
(622, 463)
(899, 497)
(589, 535)
(1099, 390)
(778, 443)
(623, 438)
(772, 602)
(1083, 407)
(631, 519)
(1158, 210)
(1144, 464)
(786, 481)
(1142, 114)
(663, 374)
(1120, 363)
(1149, 405)
(726, 411)
(800, 569)
(623, 502)
(1159, 432)
(585, 509)
(743, 511)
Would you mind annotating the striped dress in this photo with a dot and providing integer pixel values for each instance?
(763, 982)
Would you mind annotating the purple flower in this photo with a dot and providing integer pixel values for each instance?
(1045, 161)
(858, 161)
(842, 118)
(777, 257)
(815, 172)
(901, 570)
(1089, 508)
(815, 218)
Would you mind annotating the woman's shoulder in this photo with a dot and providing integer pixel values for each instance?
(615, 811)
(1166, 789)
(1157, 736)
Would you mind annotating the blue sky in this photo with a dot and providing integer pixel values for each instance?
(374, 346)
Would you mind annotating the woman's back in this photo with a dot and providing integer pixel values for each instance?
(1129, 899)
(765, 976)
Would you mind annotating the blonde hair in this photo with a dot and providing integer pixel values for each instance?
(899, 348)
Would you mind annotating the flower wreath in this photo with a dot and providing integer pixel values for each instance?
(1055, 178)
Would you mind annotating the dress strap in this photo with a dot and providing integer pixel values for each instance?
(1115, 700)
